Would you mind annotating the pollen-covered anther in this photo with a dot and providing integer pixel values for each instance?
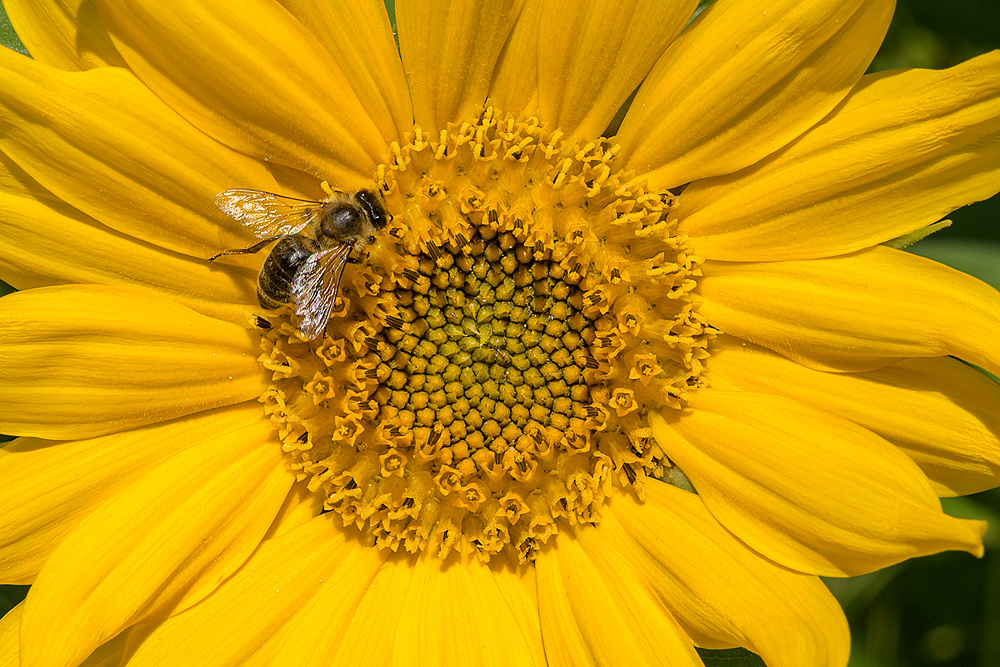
(644, 367)
(392, 462)
(485, 380)
(320, 387)
(331, 351)
(623, 401)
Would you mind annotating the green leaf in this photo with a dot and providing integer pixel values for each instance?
(735, 657)
(8, 37)
(977, 258)
(10, 596)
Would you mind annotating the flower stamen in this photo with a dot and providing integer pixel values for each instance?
(478, 387)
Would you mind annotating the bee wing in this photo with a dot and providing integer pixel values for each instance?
(266, 214)
(315, 288)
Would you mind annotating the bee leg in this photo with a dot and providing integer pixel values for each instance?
(360, 258)
(244, 251)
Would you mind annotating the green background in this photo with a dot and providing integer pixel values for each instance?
(943, 610)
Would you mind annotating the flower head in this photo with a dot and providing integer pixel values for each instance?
(582, 393)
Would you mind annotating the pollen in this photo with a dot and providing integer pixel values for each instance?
(487, 374)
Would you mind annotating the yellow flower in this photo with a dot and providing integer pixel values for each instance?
(585, 400)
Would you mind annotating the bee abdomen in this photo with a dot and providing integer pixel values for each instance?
(274, 285)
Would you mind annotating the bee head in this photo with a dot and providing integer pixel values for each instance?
(372, 205)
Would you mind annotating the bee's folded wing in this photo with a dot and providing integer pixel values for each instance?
(266, 214)
(315, 288)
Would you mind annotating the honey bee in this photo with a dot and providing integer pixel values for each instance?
(315, 242)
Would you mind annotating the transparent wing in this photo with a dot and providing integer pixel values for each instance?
(266, 214)
(315, 287)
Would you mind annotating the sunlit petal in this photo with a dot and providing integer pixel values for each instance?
(168, 539)
(515, 78)
(721, 592)
(10, 629)
(904, 150)
(81, 361)
(594, 615)
(856, 312)
(458, 616)
(300, 572)
(358, 36)
(807, 489)
(253, 77)
(48, 242)
(68, 34)
(125, 159)
(602, 49)
(943, 413)
(41, 475)
(744, 80)
(449, 53)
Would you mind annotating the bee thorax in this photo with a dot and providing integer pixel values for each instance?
(342, 223)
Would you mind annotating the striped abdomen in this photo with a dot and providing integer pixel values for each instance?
(274, 285)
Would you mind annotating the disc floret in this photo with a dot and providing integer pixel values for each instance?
(487, 375)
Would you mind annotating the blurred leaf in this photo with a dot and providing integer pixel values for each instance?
(973, 507)
(937, 34)
(10, 596)
(977, 258)
(7, 35)
(736, 657)
(856, 593)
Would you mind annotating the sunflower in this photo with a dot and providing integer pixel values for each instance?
(602, 387)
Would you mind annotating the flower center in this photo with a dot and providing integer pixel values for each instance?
(486, 375)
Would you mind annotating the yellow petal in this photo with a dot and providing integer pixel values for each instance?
(316, 632)
(85, 360)
(515, 80)
(746, 78)
(253, 77)
(594, 613)
(944, 414)
(456, 616)
(592, 55)
(164, 542)
(50, 487)
(292, 577)
(109, 654)
(359, 37)
(808, 489)
(46, 242)
(105, 144)
(519, 592)
(902, 151)
(301, 506)
(67, 34)
(856, 312)
(381, 608)
(449, 53)
(720, 591)
(10, 629)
